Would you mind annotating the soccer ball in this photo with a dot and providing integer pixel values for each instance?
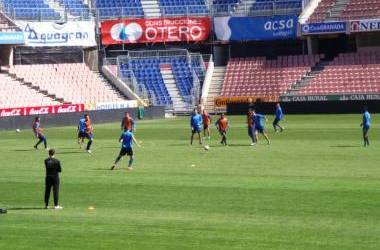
(207, 147)
(18, 130)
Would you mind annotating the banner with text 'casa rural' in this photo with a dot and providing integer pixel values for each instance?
(175, 29)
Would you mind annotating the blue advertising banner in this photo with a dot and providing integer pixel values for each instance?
(255, 28)
(16, 37)
(323, 28)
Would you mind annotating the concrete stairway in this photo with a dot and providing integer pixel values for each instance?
(215, 87)
(178, 103)
(337, 10)
(305, 80)
(151, 8)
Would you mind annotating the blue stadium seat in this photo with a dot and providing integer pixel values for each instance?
(110, 9)
(30, 9)
(148, 74)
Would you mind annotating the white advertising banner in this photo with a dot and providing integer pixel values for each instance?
(116, 105)
(73, 33)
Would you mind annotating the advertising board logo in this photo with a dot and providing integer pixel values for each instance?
(39, 111)
(355, 26)
(68, 109)
(279, 24)
(305, 28)
(10, 112)
(131, 32)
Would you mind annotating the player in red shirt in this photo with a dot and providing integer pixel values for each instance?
(206, 118)
(222, 126)
(88, 133)
(128, 124)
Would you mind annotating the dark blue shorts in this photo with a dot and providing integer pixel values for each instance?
(276, 121)
(260, 129)
(365, 129)
(126, 151)
(196, 130)
(81, 134)
(223, 132)
(205, 126)
(42, 137)
(89, 135)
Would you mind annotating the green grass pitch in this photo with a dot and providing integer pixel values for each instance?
(315, 187)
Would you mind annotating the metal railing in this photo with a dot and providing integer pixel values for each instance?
(48, 14)
(157, 53)
(267, 8)
(66, 14)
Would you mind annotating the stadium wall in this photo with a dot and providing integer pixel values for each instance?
(308, 107)
(71, 119)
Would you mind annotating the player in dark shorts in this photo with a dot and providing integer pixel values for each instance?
(81, 131)
(127, 138)
(366, 125)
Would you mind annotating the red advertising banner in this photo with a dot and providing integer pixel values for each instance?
(12, 112)
(41, 110)
(172, 29)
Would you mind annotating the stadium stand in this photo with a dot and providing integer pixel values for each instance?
(76, 7)
(321, 11)
(348, 73)
(361, 9)
(168, 78)
(183, 7)
(4, 27)
(30, 9)
(68, 82)
(276, 5)
(257, 7)
(109, 9)
(15, 94)
(258, 76)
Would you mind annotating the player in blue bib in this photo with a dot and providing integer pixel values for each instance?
(195, 124)
(278, 117)
(81, 131)
(127, 138)
(366, 125)
(259, 126)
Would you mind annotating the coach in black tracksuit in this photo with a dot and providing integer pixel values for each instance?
(53, 167)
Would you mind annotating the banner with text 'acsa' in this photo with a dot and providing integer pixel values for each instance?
(256, 28)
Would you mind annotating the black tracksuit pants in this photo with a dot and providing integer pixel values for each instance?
(51, 182)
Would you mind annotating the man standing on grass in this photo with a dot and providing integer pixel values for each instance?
(222, 125)
(206, 118)
(365, 125)
(259, 126)
(278, 117)
(128, 123)
(127, 138)
(195, 124)
(88, 133)
(81, 131)
(37, 129)
(251, 127)
(53, 168)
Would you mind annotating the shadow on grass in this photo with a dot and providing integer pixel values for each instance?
(345, 146)
(23, 150)
(109, 147)
(73, 152)
(25, 208)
